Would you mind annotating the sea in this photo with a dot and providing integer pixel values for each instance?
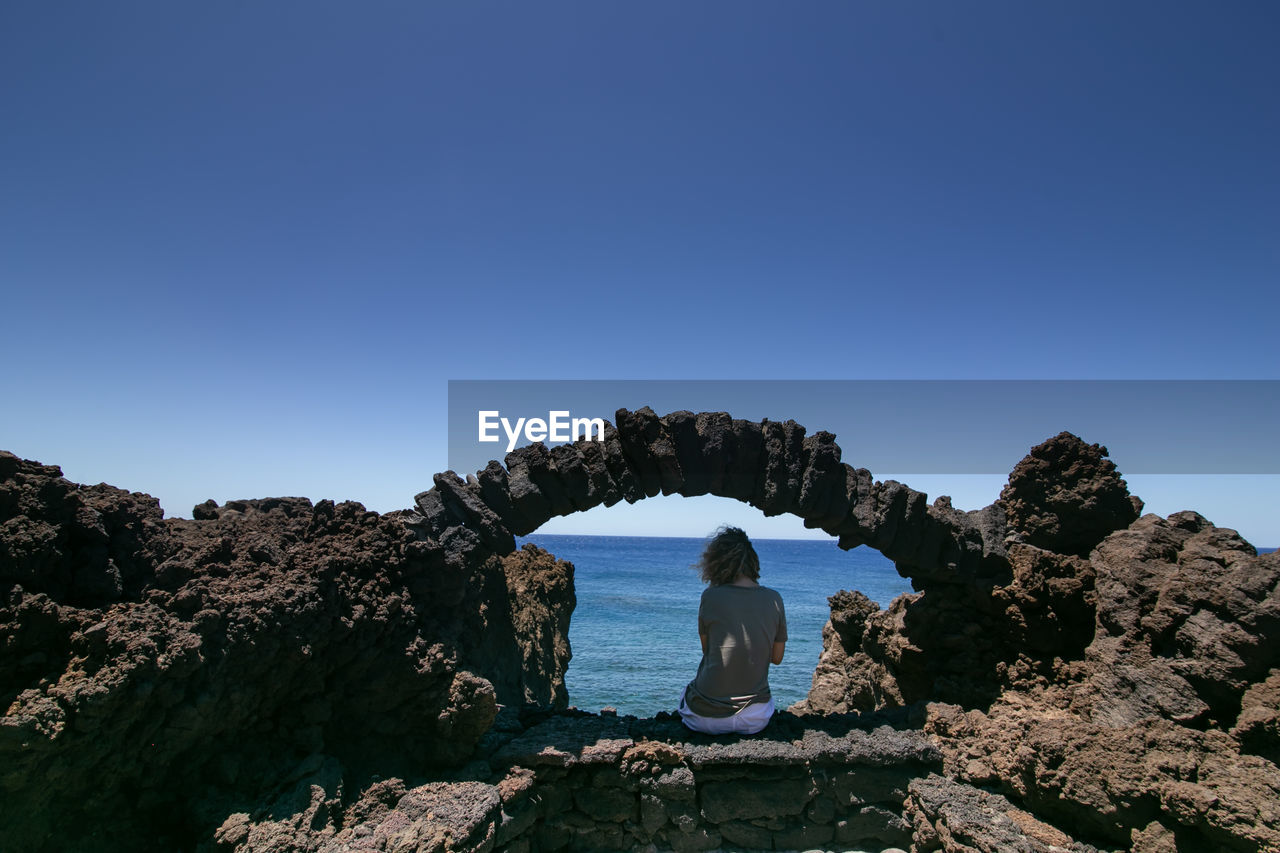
(634, 631)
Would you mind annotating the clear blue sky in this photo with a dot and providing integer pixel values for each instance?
(243, 246)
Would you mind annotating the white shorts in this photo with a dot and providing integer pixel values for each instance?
(748, 721)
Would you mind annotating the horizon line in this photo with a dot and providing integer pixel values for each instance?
(1262, 549)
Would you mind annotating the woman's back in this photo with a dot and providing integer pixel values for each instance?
(741, 624)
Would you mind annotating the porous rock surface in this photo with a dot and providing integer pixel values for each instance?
(157, 672)
(277, 675)
(1131, 676)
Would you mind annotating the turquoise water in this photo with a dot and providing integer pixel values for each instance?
(635, 630)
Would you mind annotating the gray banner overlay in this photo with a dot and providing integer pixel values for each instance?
(897, 427)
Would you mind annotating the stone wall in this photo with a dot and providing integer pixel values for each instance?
(577, 782)
(604, 784)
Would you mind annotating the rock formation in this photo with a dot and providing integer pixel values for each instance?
(1130, 664)
(278, 675)
(157, 674)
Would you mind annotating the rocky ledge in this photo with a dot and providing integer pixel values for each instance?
(578, 781)
(281, 675)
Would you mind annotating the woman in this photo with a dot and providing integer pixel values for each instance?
(743, 629)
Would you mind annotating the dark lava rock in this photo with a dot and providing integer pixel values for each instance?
(957, 818)
(278, 675)
(160, 674)
(1065, 496)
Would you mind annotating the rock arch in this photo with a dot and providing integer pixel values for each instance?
(991, 583)
(771, 465)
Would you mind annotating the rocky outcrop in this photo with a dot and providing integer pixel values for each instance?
(1066, 496)
(1258, 726)
(281, 675)
(1188, 618)
(1016, 598)
(1133, 696)
(847, 679)
(156, 672)
(951, 816)
(1114, 784)
(542, 600)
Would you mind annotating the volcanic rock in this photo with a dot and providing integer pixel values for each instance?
(281, 675)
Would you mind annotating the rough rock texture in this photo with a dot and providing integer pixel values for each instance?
(951, 816)
(440, 817)
(584, 782)
(1258, 726)
(960, 638)
(278, 675)
(1124, 667)
(1109, 783)
(155, 673)
(542, 588)
(846, 678)
(1188, 617)
(1066, 496)
(1000, 590)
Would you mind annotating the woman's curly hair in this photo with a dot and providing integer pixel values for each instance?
(727, 556)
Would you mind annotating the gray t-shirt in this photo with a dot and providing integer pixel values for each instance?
(741, 623)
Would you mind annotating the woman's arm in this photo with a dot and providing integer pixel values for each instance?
(703, 637)
(780, 633)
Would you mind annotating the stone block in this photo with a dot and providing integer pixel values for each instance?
(551, 835)
(803, 836)
(609, 777)
(699, 838)
(647, 448)
(744, 834)
(601, 488)
(742, 452)
(534, 462)
(600, 837)
(430, 505)
(823, 500)
(568, 462)
(515, 823)
(608, 804)
(782, 451)
(821, 810)
(685, 816)
(653, 813)
(620, 468)
(695, 467)
(873, 825)
(676, 784)
(555, 798)
(864, 785)
(722, 801)
(529, 505)
(463, 502)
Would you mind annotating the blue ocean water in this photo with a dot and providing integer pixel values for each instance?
(634, 631)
